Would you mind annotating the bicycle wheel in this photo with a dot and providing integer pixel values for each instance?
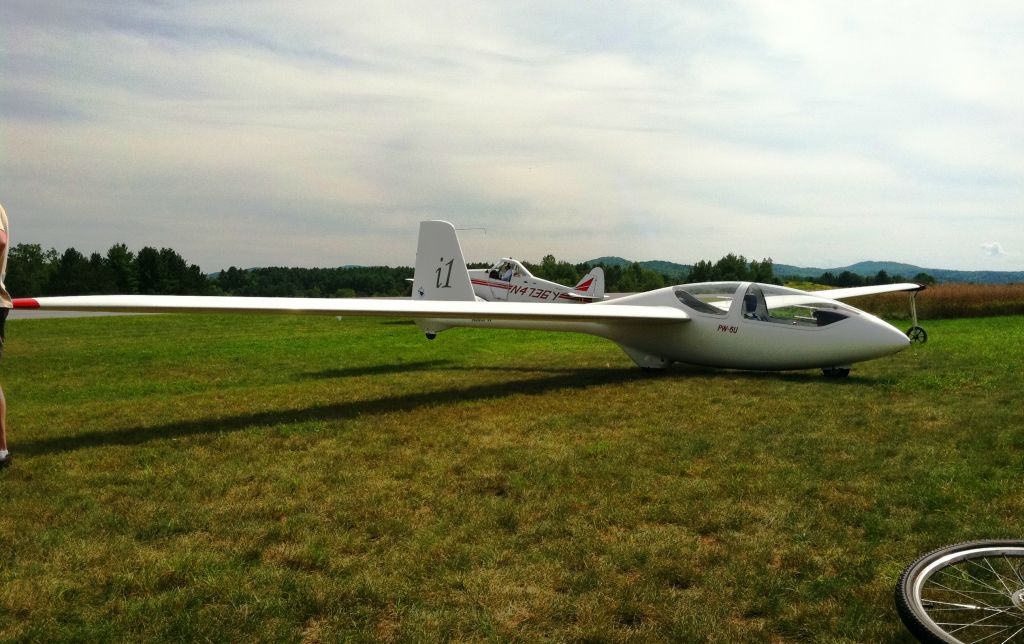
(967, 592)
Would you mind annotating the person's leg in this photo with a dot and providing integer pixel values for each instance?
(3, 401)
(3, 421)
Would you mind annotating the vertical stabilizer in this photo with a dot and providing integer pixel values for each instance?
(592, 284)
(440, 267)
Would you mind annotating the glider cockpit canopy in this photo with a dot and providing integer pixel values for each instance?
(763, 302)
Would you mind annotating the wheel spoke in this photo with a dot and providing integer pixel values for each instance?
(968, 591)
(1016, 570)
(988, 567)
(953, 606)
(965, 595)
(1015, 634)
(963, 574)
(978, 623)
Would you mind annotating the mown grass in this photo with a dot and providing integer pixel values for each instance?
(303, 479)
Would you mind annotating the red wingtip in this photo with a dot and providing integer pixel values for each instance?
(26, 303)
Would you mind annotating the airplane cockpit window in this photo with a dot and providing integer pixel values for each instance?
(506, 269)
(713, 298)
(787, 306)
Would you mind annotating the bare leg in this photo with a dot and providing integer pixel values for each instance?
(3, 421)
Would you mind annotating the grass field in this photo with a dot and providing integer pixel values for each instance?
(304, 479)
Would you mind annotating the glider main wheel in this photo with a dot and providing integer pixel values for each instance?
(917, 335)
(836, 372)
(967, 592)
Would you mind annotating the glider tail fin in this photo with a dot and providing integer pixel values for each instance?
(441, 272)
(592, 284)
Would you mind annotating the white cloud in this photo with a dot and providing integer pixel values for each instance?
(993, 249)
(320, 133)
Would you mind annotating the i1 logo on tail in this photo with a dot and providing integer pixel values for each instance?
(448, 274)
(439, 256)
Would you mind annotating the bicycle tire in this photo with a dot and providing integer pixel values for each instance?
(965, 592)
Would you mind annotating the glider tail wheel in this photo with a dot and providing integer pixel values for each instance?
(967, 592)
(917, 335)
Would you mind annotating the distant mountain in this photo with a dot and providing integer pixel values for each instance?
(866, 269)
(667, 268)
(609, 261)
(908, 271)
(671, 269)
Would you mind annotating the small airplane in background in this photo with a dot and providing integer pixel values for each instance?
(509, 281)
(731, 325)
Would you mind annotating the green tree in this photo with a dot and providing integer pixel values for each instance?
(71, 276)
(847, 279)
(924, 278)
(121, 263)
(733, 267)
(99, 279)
(150, 271)
(702, 271)
(762, 271)
(29, 269)
(553, 270)
(637, 279)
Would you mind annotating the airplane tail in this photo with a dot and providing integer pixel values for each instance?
(441, 272)
(592, 284)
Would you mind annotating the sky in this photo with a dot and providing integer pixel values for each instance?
(319, 133)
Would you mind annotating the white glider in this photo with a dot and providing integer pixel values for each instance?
(735, 325)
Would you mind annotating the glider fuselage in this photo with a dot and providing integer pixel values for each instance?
(727, 335)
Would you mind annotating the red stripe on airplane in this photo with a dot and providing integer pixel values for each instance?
(585, 285)
(26, 303)
(491, 284)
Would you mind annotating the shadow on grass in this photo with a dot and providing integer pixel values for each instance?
(675, 370)
(560, 379)
(803, 377)
(374, 370)
(568, 380)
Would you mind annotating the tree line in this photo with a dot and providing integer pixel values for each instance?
(33, 271)
(846, 279)
(349, 281)
(635, 278)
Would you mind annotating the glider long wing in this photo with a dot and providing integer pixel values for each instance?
(815, 299)
(859, 291)
(367, 307)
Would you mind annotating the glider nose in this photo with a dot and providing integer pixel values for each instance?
(891, 339)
